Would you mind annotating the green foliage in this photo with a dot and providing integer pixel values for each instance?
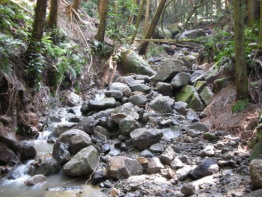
(154, 50)
(256, 143)
(239, 106)
(101, 50)
(90, 7)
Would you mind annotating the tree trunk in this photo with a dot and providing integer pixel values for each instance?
(241, 79)
(102, 26)
(153, 24)
(138, 19)
(260, 27)
(38, 26)
(147, 15)
(53, 14)
(76, 4)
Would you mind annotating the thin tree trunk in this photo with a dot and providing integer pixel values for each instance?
(260, 30)
(153, 24)
(138, 19)
(241, 79)
(131, 18)
(53, 15)
(38, 26)
(102, 26)
(147, 15)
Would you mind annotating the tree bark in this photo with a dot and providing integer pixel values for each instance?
(241, 79)
(53, 14)
(38, 26)
(153, 24)
(76, 4)
(147, 15)
(102, 26)
(138, 19)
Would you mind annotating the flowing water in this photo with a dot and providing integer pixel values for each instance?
(56, 185)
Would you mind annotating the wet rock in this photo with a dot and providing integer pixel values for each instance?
(256, 173)
(154, 165)
(165, 89)
(83, 163)
(168, 155)
(125, 111)
(180, 79)
(189, 95)
(121, 87)
(75, 139)
(63, 127)
(72, 99)
(168, 70)
(176, 163)
(143, 138)
(183, 172)
(207, 167)
(8, 138)
(162, 104)
(208, 151)
(140, 88)
(138, 99)
(210, 137)
(121, 167)
(188, 189)
(48, 167)
(61, 152)
(86, 124)
(38, 178)
(157, 148)
(181, 107)
(117, 94)
(7, 156)
(26, 150)
(199, 127)
(206, 95)
(192, 116)
(127, 125)
(133, 63)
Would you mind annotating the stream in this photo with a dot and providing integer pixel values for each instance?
(57, 184)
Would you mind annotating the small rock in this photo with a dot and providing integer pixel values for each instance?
(168, 155)
(207, 167)
(72, 99)
(162, 104)
(154, 165)
(188, 189)
(117, 94)
(146, 153)
(26, 150)
(156, 148)
(199, 126)
(208, 151)
(176, 163)
(256, 173)
(38, 178)
(183, 172)
(48, 167)
(210, 137)
(192, 116)
(140, 88)
(180, 79)
(164, 88)
(181, 107)
(138, 99)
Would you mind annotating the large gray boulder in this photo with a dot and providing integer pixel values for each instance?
(180, 79)
(164, 88)
(98, 105)
(133, 63)
(256, 173)
(125, 111)
(189, 95)
(162, 104)
(75, 139)
(83, 163)
(193, 34)
(48, 167)
(140, 88)
(168, 70)
(7, 156)
(26, 150)
(138, 99)
(121, 167)
(72, 99)
(143, 138)
(125, 89)
(207, 167)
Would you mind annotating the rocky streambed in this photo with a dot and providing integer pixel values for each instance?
(143, 136)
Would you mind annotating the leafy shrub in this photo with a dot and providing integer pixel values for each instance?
(239, 106)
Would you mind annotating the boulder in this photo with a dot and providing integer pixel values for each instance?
(154, 165)
(117, 94)
(75, 139)
(128, 80)
(188, 189)
(38, 178)
(138, 99)
(206, 95)
(207, 167)
(257, 193)
(256, 173)
(164, 88)
(189, 95)
(7, 156)
(83, 163)
(63, 127)
(200, 85)
(158, 34)
(48, 167)
(193, 34)
(125, 111)
(127, 125)
(197, 75)
(140, 88)
(180, 79)
(157, 148)
(143, 138)
(168, 70)
(198, 126)
(171, 134)
(208, 151)
(61, 152)
(72, 99)
(86, 124)
(125, 89)
(26, 150)
(162, 104)
(121, 167)
(98, 105)
(133, 63)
